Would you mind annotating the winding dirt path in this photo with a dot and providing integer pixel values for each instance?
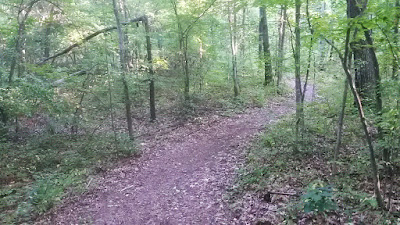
(181, 178)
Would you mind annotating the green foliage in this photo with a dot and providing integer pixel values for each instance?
(255, 176)
(26, 96)
(47, 190)
(361, 200)
(36, 175)
(272, 166)
(319, 199)
(46, 165)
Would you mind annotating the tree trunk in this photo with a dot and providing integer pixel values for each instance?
(365, 63)
(367, 77)
(260, 39)
(234, 47)
(185, 62)
(281, 41)
(243, 34)
(183, 36)
(310, 51)
(127, 53)
(18, 57)
(299, 104)
(123, 72)
(47, 33)
(265, 46)
(110, 98)
(358, 103)
(339, 130)
(151, 71)
(395, 64)
(78, 108)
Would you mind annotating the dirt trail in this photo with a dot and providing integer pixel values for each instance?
(181, 179)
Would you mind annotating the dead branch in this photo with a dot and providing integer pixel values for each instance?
(87, 38)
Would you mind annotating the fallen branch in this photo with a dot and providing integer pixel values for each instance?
(267, 196)
(87, 38)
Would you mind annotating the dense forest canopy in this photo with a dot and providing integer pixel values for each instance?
(72, 71)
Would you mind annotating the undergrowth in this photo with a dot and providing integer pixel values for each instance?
(317, 196)
(39, 173)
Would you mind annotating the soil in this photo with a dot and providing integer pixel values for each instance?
(181, 178)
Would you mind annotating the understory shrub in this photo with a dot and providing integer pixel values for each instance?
(38, 173)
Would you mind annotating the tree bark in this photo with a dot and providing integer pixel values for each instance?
(123, 72)
(310, 50)
(243, 33)
(182, 37)
(360, 109)
(17, 59)
(234, 47)
(366, 65)
(281, 41)
(265, 46)
(299, 104)
(47, 33)
(395, 63)
(339, 130)
(151, 71)
(78, 109)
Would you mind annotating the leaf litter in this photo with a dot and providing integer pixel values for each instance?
(183, 176)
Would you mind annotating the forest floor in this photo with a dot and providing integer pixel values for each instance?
(182, 177)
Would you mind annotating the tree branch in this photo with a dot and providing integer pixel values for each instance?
(87, 38)
(55, 4)
(198, 18)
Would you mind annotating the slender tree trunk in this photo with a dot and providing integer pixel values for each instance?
(367, 77)
(243, 34)
(339, 130)
(299, 104)
(360, 109)
(47, 33)
(18, 57)
(127, 53)
(234, 47)
(310, 51)
(265, 47)
(78, 109)
(281, 41)
(183, 52)
(182, 37)
(151, 71)
(123, 72)
(186, 67)
(110, 98)
(395, 64)
(366, 54)
(395, 75)
(260, 38)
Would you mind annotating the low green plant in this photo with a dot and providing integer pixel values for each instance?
(37, 174)
(255, 176)
(49, 189)
(319, 199)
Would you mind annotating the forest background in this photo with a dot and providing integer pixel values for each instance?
(80, 79)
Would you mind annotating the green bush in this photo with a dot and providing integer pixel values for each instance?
(318, 199)
(37, 174)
